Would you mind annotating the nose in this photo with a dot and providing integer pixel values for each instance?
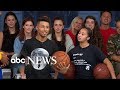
(79, 35)
(45, 29)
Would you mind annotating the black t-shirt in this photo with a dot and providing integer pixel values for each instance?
(85, 60)
(8, 42)
(32, 47)
(61, 47)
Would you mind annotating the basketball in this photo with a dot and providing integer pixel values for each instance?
(70, 74)
(61, 57)
(101, 71)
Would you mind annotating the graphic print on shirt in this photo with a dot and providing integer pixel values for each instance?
(79, 61)
(39, 55)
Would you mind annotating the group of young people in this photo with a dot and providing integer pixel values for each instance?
(86, 43)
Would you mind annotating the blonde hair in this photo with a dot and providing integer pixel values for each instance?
(74, 20)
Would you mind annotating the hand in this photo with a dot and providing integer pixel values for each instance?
(55, 75)
(22, 72)
(4, 60)
(114, 77)
(23, 76)
(62, 68)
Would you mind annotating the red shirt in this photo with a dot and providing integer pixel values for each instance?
(106, 34)
(73, 37)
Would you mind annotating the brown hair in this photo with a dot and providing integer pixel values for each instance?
(96, 38)
(63, 34)
(5, 28)
(21, 33)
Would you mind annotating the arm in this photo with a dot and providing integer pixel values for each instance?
(1, 39)
(102, 58)
(112, 49)
(110, 67)
(115, 58)
(22, 72)
(17, 47)
(69, 43)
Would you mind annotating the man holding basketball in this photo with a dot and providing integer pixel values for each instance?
(39, 46)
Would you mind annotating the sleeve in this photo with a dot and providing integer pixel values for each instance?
(70, 55)
(100, 56)
(17, 47)
(111, 46)
(24, 51)
(69, 43)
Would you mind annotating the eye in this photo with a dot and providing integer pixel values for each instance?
(47, 27)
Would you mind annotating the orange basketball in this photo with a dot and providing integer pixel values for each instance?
(101, 71)
(70, 74)
(61, 57)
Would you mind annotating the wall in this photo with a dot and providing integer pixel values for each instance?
(67, 15)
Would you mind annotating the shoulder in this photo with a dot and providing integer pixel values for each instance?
(49, 36)
(30, 40)
(113, 36)
(1, 34)
(17, 39)
(67, 31)
(67, 36)
(93, 48)
(75, 49)
(113, 31)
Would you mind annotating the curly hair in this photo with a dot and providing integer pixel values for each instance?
(96, 38)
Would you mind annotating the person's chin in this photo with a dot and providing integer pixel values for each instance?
(44, 35)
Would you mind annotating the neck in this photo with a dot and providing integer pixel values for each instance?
(74, 31)
(12, 30)
(58, 36)
(104, 27)
(28, 35)
(84, 44)
(41, 39)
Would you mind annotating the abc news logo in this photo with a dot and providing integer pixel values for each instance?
(34, 60)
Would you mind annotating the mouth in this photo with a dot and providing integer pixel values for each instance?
(45, 33)
(79, 39)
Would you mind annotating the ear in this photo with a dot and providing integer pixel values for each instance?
(63, 26)
(88, 38)
(23, 27)
(36, 28)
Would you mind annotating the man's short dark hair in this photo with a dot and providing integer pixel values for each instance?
(44, 18)
(105, 11)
